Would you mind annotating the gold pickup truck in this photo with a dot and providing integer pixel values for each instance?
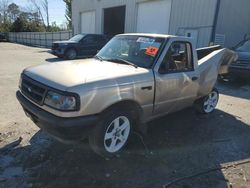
(134, 79)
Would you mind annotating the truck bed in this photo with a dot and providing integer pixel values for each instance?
(203, 52)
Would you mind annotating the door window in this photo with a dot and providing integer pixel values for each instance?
(90, 40)
(178, 58)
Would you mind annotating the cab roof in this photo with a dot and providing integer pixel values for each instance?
(148, 35)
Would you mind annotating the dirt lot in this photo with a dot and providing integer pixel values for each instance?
(197, 151)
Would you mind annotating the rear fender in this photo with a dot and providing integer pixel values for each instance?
(211, 66)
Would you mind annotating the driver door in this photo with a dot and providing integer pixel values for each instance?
(176, 79)
(89, 46)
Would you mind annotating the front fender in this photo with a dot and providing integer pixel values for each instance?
(97, 100)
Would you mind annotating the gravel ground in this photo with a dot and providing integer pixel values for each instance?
(180, 150)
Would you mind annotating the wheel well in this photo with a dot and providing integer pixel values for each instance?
(127, 105)
(71, 48)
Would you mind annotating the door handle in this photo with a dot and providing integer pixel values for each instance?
(147, 88)
(195, 78)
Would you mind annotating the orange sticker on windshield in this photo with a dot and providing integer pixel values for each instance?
(152, 51)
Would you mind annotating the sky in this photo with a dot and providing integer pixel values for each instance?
(56, 9)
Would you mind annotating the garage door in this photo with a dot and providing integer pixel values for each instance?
(153, 17)
(88, 22)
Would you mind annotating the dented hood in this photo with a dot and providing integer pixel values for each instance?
(66, 74)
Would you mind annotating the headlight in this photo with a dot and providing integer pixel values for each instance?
(20, 82)
(61, 102)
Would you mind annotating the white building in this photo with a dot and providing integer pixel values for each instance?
(221, 21)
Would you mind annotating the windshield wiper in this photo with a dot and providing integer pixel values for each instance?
(99, 58)
(118, 60)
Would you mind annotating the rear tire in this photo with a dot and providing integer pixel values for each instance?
(207, 104)
(70, 54)
(111, 134)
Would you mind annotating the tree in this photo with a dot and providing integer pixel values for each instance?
(13, 11)
(54, 27)
(34, 27)
(38, 9)
(68, 13)
(19, 25)
(45, 6)
(42, 7)
(4, 22)
(4, 10)
(28, 19)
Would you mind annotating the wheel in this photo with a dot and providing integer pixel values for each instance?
(70, 54)
(111, 134)
(207, 104)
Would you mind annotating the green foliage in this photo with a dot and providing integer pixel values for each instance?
(16, 20)
(34, 27)
(19, 25)
(5, 27)
(53, 28)
(23, 25)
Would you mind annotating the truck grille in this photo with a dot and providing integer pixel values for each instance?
(33, 90)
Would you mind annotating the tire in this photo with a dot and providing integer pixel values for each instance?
(207, 104)
(111, 134)
(71, 54)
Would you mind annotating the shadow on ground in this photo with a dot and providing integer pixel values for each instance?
(54, 60)
(237, 88)
(177, 145)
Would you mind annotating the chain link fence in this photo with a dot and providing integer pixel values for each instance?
(39, 39)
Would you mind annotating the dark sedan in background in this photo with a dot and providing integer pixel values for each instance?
(3, 37)
(241, 68)
(82, 45)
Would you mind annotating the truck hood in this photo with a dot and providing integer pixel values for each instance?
(63, 75)
(65, 42)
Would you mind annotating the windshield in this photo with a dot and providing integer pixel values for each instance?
(77, 38)
(244, 46)
(140, 51)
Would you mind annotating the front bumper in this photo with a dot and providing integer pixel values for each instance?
(58, 52)
(63, 129)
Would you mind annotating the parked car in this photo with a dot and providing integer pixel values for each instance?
(134, 79)
(241, 67)
(3, 37)
(82, 45)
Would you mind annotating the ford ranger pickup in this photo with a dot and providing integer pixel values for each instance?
(134, 79)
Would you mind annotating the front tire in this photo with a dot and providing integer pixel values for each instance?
(207, 104)
(111, 134)
(71, 54)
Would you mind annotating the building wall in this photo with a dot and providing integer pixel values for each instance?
(196, 15)
(98, 5)
(234, 21)
(193, 15)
